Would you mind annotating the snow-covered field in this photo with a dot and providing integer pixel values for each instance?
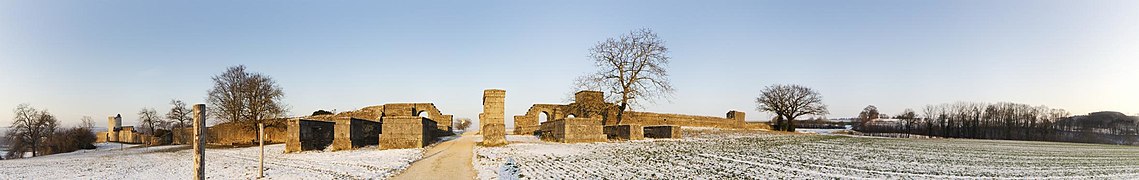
(818, 131)
(175, 162)
(714, 154)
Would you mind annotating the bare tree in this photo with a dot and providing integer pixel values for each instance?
(789, 102)
(149, 120)
(462, 123)
(245, 98)
(908, 116)
(30, 127)
(179, 115)
(631, 69)
(87, 122)
(869, 113)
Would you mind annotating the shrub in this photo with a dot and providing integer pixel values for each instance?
(69, 140)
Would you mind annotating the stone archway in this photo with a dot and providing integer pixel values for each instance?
(528, 123)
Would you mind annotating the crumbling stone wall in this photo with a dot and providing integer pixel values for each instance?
(573, 130)
(378, 112)
(401, 132)
(427, 110)
(238, 134)
(393, 125)
(652, 119)
(528, 123)
(101, 137)
(624, 132)
(307, 135)
(491, 120)
(350, 133)
(662, 132)
(757, 125)
(591, 104)
(587, 104)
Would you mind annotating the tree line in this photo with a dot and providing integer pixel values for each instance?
(39, 132)
(238, 96)
(1010, 121)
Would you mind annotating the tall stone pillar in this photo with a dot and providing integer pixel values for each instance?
(491, 121)
(199, 141)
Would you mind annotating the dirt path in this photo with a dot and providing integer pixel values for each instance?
(447, 160)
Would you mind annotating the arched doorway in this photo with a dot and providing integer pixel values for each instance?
(543, 117)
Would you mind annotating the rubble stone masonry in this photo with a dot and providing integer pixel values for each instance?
(491, 120)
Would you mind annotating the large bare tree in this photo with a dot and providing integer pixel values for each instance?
(87, 122)
(149, 120)
(179, 114)
(631, 70)
(789, 102)
(868, 114)
(29, 127)
(246, 98)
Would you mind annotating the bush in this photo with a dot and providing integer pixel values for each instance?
(69, 140)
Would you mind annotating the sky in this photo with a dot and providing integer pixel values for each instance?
(101, 58)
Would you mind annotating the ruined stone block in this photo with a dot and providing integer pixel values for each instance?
(662, 132)
(573, 130)
(401, 132)
(309, 135)
(491, 120)
(351, 133)
(624, 132)
(525, 125)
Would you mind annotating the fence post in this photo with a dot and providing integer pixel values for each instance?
(261, 141)
(199, 141)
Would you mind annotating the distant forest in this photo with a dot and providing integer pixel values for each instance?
(1012, 121)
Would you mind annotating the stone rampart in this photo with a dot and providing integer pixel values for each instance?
(624, 132)
(351, 133)
(656, 119)
(309, 135)
(663, 132)
(406, 132)
(573, 130)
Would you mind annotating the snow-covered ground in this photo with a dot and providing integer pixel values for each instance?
(713, 154)
(818, 131)
(175, 162)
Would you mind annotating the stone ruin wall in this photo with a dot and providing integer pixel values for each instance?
(662, 132)
(390, 126)
(625, 132)
(573, 130)
(236, 134)
(308, 135)
(529, 122)
(378, 112)
(351, 133)
(590, 104)
(735, 121)
(401, 132)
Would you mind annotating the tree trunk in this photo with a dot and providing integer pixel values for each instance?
(620, 112)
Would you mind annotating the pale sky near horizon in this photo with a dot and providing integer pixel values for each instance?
(100, 58)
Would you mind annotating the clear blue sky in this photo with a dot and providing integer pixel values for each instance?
(99, 58)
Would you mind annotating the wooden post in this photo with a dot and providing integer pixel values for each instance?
(261, 141)
(199, 141)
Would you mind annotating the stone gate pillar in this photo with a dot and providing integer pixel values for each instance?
(491, 121)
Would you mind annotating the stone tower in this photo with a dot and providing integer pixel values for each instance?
(113, 124)
(491, 121)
